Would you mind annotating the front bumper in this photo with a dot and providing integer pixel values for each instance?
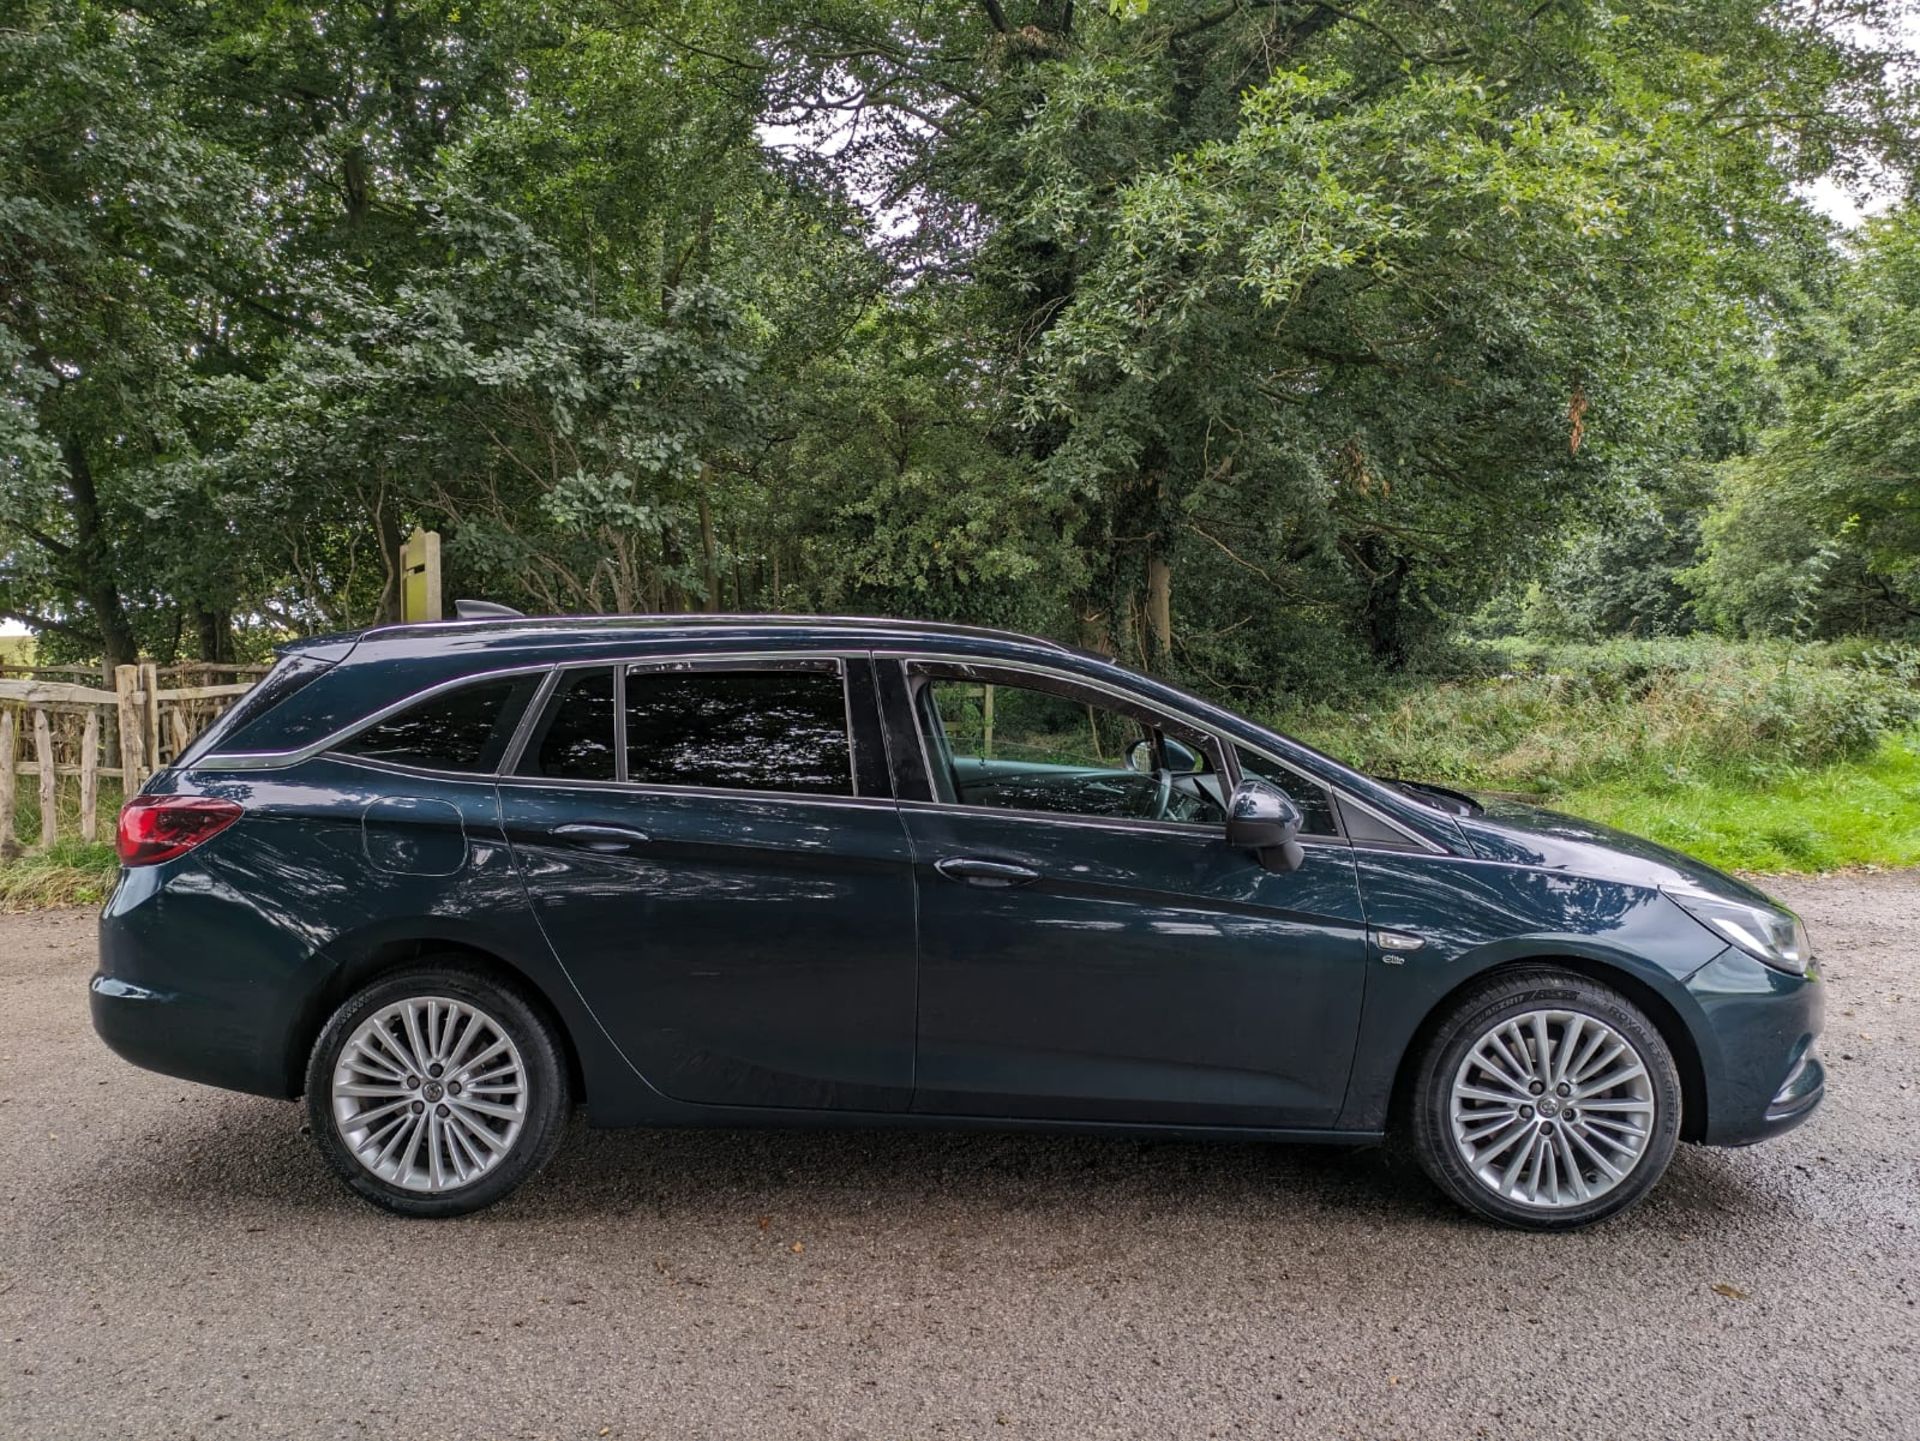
(1762, 1073)
(1799, 1095)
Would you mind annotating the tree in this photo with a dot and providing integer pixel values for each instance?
(1820, 529)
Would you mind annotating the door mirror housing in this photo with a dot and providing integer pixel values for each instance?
(1263, 819)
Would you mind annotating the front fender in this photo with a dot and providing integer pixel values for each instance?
(1475, 917)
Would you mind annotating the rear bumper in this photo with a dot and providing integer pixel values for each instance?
(185, 989)
(179, 1034)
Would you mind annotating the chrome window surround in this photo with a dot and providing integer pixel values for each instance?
(551, 671)
(280, 760)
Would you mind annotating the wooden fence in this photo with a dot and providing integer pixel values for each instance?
(55, 724)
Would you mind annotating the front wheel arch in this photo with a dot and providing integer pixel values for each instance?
(1673, 1030)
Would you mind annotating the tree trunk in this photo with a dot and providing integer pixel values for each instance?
(94, 562)
(1159, 610)
(706, 546)
(387, 528)
(215, 634)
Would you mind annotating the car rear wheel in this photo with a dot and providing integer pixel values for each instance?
(436, 1091)
(1546, 1100)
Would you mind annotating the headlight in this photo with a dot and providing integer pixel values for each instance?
(1766, 933)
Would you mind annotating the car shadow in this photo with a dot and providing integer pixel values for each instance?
(243, 1156)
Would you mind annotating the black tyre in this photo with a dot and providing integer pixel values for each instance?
(437, 1090)
(1545, 1100)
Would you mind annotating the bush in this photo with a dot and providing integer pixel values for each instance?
(1545, 719)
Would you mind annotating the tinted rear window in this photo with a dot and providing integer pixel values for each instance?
(292, 675)
(575, 737)
(737, 730)
(464, 730)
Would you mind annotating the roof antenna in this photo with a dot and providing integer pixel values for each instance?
(484, 610)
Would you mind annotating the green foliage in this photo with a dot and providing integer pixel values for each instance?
(71, 873)
(1819, 532)
(1554, 720)
(1257, 344)
(1857, 813)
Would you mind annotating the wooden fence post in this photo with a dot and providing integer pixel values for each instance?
(6, 781)
(90, 776)
(150, 704)
(132, 727)
(49, 777)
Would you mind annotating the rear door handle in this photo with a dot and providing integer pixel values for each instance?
(978, 872)
(600, 838)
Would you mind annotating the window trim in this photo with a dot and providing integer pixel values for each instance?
(516, 752)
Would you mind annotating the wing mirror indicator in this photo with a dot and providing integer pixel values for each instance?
(1263, 819)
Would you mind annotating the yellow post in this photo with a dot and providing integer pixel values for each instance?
(420, 576)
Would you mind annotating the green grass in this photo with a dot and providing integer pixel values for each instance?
(72, 873)
(1759, 756)
(1854, 813)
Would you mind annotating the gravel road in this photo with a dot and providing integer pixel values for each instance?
(175, 1262)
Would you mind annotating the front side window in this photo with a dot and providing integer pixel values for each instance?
(777, 730)
(1018, 747)
(465, 730)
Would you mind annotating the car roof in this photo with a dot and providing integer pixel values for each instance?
(543, 632)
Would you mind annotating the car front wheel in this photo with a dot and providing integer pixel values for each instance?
(1546, 1100)
(436, 1091)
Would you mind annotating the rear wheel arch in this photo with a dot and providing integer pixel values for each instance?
(1658, 1009)
(358, 968)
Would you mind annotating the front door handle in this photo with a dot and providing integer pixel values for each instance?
(977, 872)
(600, 838)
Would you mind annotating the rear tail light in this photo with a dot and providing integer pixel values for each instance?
(158, 828)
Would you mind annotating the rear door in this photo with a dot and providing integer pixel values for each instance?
(1091, 948)
(713, 851)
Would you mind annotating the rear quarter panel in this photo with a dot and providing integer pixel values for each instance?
(263, 930)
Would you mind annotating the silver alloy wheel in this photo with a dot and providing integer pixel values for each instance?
(1552, 1108)
(430, 1093)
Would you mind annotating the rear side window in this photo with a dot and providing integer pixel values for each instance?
(780, 730)
(464, 730)
(293, 674)
(575, 738)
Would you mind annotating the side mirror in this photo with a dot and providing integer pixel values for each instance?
(1263, 819)
(1182, 759)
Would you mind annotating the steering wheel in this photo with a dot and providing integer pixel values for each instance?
(1163, 799)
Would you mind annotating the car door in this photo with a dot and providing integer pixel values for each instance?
(712, 851)
(1090, 946)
